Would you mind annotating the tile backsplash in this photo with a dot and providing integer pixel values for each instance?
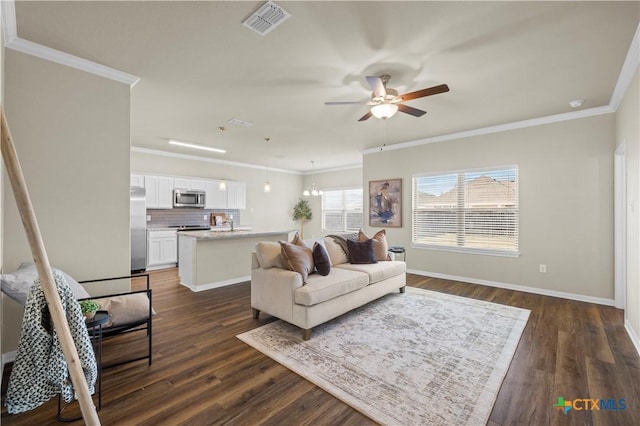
(175, 217)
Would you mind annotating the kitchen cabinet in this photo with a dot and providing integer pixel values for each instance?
(236, 195)
(137, 180)
(159, 191)
(191, 184)
(162, 249)
(214, 198)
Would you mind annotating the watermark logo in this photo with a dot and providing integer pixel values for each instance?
(588, 404)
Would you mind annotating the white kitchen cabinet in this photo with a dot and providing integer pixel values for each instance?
(236, 195)
(198, 184)
(162, 249)
(214, 198)
(137, 180)
(181, 183)
(159, 190)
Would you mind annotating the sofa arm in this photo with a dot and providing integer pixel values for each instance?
(272, 291)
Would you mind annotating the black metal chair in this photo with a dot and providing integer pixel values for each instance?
(143, 324)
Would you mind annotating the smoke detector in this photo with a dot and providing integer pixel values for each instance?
(266, 18)
(577, 103)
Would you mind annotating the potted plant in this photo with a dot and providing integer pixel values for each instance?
(89, 308)
(302, 213)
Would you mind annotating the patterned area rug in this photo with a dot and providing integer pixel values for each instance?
(421, 357)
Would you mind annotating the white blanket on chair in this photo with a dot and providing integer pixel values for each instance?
(40, 371)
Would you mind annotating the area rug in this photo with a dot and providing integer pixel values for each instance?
(418, 358)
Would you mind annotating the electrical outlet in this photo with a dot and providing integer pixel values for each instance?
(148, 218)
(205, 217)
(543, 268)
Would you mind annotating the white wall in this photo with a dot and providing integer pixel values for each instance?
(264, 212)
(628, 132)
(566, 204)
(71, 131)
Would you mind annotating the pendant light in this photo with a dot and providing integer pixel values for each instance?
(222, 185)
(313, 191)
(267, 184)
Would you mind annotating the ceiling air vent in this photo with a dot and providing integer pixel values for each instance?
(266, 18)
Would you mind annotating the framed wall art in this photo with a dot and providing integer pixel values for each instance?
(385, 203)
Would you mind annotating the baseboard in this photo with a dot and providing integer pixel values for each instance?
(534, 290)
(632, 335)
(223, 283)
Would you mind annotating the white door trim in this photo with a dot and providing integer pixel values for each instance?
(620, 228)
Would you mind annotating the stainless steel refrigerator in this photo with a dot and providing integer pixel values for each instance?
(138, 213)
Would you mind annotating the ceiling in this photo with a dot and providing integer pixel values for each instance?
(199, 67)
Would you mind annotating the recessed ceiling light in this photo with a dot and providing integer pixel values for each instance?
(191, 145)
(577, 103)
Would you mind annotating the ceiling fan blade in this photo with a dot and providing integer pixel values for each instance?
(366, 116)
(347, 103)
(411, 111)
(424, 92)
(377, 86)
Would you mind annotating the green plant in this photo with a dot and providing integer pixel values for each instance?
(302, 213)
(89, 306)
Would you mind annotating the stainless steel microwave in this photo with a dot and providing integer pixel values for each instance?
(188, 198)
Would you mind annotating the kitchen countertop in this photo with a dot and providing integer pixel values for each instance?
(221, 234)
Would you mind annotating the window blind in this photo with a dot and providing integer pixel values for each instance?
(469, 209)
(342, 210)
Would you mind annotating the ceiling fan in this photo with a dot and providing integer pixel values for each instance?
(385, 102)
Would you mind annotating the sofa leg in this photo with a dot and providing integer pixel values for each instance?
(306, 334)
(256, 313)
(403, 288)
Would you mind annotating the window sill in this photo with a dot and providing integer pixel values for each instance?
(468, 250)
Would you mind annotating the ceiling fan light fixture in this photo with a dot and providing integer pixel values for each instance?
(384, 111)
(306, 193)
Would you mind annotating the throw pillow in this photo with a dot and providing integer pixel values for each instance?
(269, 255)
(299, 259)
(380, 246)
(18, 284)
(125, 309)
(361, 252)
(336, 254)
(321, 259)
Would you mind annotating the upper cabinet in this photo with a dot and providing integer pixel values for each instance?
(137, 180)
(159, 191)
(236, 195)
(215, 198)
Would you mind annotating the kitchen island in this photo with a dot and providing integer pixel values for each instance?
(211, 259)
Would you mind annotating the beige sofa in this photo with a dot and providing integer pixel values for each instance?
(280, 292)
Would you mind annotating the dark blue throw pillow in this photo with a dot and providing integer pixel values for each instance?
(361, 252)
(321, 259)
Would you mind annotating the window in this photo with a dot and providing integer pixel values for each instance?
(469, 210)
(342, 210)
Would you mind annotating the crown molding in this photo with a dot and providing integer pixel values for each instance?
(628, 71)
(12, 41)
(573, 115)
(207, 159)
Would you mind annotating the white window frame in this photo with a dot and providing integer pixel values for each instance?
(461, 248)
(343, 211)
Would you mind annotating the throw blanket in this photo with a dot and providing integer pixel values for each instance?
(341, 240)
(40, 370)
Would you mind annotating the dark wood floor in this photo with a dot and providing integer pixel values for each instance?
(203, 375)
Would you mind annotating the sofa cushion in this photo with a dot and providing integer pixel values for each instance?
(380, 246)
(376, 271)
(299, 259)
(321, 259)
(320, 289)
(361, 251)
(269, 253)
(126, 308)
(336, 254)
